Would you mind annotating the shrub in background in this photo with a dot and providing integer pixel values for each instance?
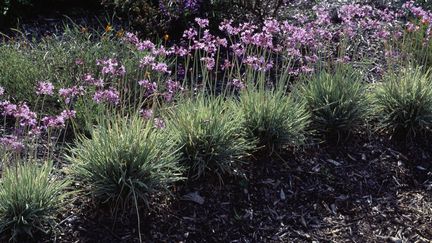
(18, 72)
(336, 100)
(146, 15)
(13, 7)
(30, 199)
(125, 161)
(274, 119)
(210, 135)
(403, 102)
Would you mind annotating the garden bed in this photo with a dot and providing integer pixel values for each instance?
(370, 191)
(303, 124)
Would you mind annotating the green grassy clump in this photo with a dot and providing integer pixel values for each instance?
(210, 135)
(18, 73)
(403, 102)
(30, 199)
(274, 119)
(337, 101)
(124, 161)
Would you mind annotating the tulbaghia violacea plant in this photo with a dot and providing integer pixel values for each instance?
(30, 123)
(30, 199)
(403, 103)
(273, 51)
(416, 43)
(210, 136)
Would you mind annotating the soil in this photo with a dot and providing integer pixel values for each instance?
(369, 190)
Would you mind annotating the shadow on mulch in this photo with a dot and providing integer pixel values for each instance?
(368, 191)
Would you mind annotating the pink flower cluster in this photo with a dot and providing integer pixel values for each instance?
(58, 121)
(12, 143)
(45, 88)
(110, 66)
(21, 113)
(110, 96)
(70, 93)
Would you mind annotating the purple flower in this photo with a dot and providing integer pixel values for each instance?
(25, 116)
(35, 131)
(121, 71)
(70, 93)
(271, 26)
(68, 114)
(90, 80)
(150, 87)
(173, 86)
(110, 96)
(180, 51)
(109, 66)
(145, 46)
(52, 122)
(190, 34)
(79, 61)
(147, 61)
(131, 38)
(161, 51)
(227, 64)
(227, 26)
(238, 84)
(238, 49)
(209, 62)
(161, 68)
(45, 88)
(12, 143)
(202, 22)
(159, 123)
(147, 113)
(58, 121)
(8, 108)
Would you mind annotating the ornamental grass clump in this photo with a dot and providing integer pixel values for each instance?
(124, 161)
(403, 102)
(30, 199)
(337, 102)
(210, 135)
(274, 119)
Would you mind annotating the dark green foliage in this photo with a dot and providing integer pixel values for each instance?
(125, 161)
(336, 100)
(403, 102)
(30, 199)
(210, 135)
(274, 119)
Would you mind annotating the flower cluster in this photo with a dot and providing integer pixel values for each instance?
(111, 67)
(58, 121)
(12, 143)
(110, 96)
(21, 112)
(45, 88)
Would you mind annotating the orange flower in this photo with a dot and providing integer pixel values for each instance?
(166, 37)
(108, 28)
(120, 33)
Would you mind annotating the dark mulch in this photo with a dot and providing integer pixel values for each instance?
(368, 191)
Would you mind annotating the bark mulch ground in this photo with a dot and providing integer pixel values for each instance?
(369, 191)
